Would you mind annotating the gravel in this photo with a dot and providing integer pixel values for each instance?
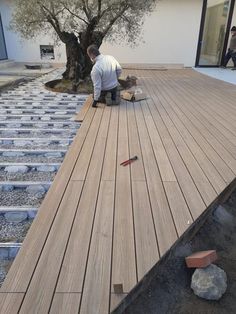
(4, 268)
(34, 147)
(19, 198)
(13, 232)
(31, 159)
(40, 134)
(29, 176)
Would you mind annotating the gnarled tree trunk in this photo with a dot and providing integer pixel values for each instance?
(79, 66)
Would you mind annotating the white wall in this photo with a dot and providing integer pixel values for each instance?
(25, 51)
(171, 35)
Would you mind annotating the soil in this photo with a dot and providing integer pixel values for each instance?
(66, 86)
(166, 288)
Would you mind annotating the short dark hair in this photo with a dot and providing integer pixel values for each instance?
(93, 49)
(233, 29)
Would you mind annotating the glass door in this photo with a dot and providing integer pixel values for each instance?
(3, 51)
(214, 32)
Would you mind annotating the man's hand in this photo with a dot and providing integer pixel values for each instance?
(94, 103)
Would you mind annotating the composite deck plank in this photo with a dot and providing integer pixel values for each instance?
(199, 177)
(166, 170)
(214, 141)
(145, 234)
(10, 302)
(41, 288)
(192, 195)
(19, 277)
(96, 291)
(65, 303)
(75, 261)
(109, 167)
(179, 208)
(82, 113)
(226, 137)
(164, 223)
(195, 141)
(123, 259)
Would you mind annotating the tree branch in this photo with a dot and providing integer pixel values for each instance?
(112, 22)
(86, 10)
(52, 19)
(99, 7)
(77, 16)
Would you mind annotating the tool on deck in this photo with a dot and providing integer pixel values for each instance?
(127, 162)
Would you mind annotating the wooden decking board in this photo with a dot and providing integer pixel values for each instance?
(109, 166)
(137, 167)
(188, 119)
(81, 115)
(166, 170)
(145, 233)
(74, 265)
(103, 224)
(214, 126)
(206, 189)
(192, 195)
(96, 291)
(193, 140)
(215, 101)
(41, 288)
(65, 303)
(217, 146)
(123, 259)
(161, 211)
(10, 302)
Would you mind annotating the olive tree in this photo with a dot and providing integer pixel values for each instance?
(80, 23)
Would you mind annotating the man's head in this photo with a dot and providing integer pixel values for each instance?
(93, 52)
(233, 30)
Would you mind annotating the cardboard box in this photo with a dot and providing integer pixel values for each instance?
(132, 96)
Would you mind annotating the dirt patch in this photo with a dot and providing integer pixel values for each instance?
(66, 86)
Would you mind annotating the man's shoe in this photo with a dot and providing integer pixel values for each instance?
(94, 105)
(233, 69)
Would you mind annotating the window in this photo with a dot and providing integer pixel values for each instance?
(47, 52)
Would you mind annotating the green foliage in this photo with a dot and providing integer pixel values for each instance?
(115, 19)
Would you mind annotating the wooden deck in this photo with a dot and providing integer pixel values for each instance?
(103, 224)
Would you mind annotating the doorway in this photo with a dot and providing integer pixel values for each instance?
(3, 50)
(214, 32)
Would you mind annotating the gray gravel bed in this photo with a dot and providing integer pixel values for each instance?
(4, 268)
(36, 147)
(29, 176)
(39, 134)
(13, 232)
(19, 198)
(31, 159)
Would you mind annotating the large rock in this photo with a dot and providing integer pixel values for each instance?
(46, 168)
(23, 143)
(36, 190)
(16, 169)
(13, 154)
(53, 154)
(16, 217)
(209, 283)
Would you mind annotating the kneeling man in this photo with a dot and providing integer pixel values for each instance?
(105, 74)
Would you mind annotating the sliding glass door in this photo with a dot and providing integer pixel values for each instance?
(216, 19)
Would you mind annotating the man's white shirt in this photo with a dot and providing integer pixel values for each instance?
(105, 73)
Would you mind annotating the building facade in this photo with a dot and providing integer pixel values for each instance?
(178, 33)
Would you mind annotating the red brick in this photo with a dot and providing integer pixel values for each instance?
(201, 259)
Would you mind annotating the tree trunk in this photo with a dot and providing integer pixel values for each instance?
(75, 58)
(79, 66)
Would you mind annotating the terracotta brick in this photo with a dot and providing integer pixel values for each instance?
(201, 259)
